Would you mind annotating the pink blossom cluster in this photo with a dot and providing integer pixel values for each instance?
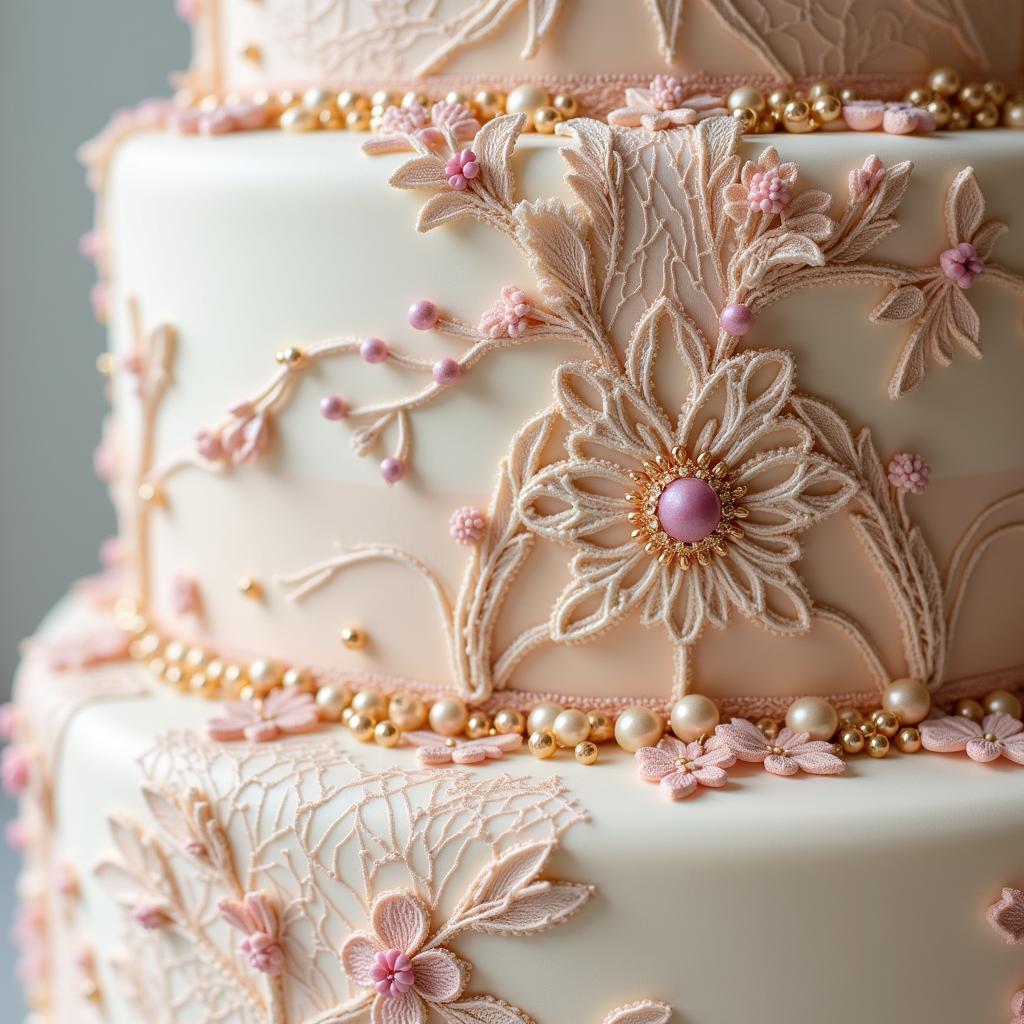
(256, 918)
(509, 317)
(769, 192)
(429, 127)
(461, 169)
(962, 264)
(467, 525)
(406, 120)
(866, 178)
(668, 92)
(909, 473)
(241, 441)
(392, 972)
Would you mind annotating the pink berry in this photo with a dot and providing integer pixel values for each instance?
(446, 371)
(423, 315)
(373, 350)
(736, 319)
(392, 470)
(333, 407)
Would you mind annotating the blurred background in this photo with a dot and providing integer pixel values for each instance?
(64, 68)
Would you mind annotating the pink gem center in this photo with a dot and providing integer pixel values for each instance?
(689, 509)
(392, 973)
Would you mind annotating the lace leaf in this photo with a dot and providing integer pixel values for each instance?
(420, 172)
(541, 907)
(555, 236)
(494, 145)
(965, 207)
(481, 1010)
(668, 16)
(445, 207)
(901, 303)
(645, 1012)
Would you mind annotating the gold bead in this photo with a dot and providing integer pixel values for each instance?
(196, 659)
(527, 99)
(566, 105)
(778, 99)
(147, 646)
(361, 726)
(233, 678)
(542, 744)
(986, 116)
(767, 124)
(586, 752)
(908, 699)
(415, 99)
(602, 727)
(571, 728)
(383, 98)
(944, 81)
(867, 727)
(200, 685)
(215, 670)
(638, 727)
(746, 118)
(298, 681)
(878, 745)
(249, 587)
(849, 716)
(353, 638)
(1013, 114)
(346, 714)
(287, 98)
(174, 676)
(448, 716)
(769, 728)
(545, 120)
(940, 110)
(252, 53)
(796, 117)
(971, 96)
(970, 709)
(157, 666)
(150, 494)
(852, 741)
(489, 103)
(509, 720)
(387, 734)
(1003, 702)
(908, 740)
(317, 99)
(746, 96)
(478, 725)
(995, 92)
(408, 711)
(821, 89)
(248, 693)
(814, 716)
(887, 724)
(348, 100)
(694, 716)
(919, 96)
(298, 119)
(370, 703)
(291, 357)
(826, 108)
(959, 118)
(849, 94)
(264, 675)
(543, 716)
(174, 652)
(358, 120)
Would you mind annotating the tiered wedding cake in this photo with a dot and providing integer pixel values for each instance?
(486, 382)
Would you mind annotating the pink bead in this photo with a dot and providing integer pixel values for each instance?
(373, 350)
(447, 371)
(423, 315)
(392, 470)
(736, 319)
(333, 407)
(689, 509)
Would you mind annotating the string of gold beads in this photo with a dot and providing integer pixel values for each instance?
(958, 105)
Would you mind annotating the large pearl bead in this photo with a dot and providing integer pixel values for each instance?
(814, 716)
(689, 509)
(448, 716)
(637, 727)
(1002, 701)
(331, 701)
(736, 319)
(908, 699)
(527, 99)
(571, 728)
(370, 703)
(408, 711)
(694, 716)
(746, 96)
(968, 708)
(543, 717)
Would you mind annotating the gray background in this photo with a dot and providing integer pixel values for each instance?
(64, 67)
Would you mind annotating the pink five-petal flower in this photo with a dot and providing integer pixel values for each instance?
(255, 917)
(679, 768)
(961, 264)
(1006, 915)
(787, 754)
(435, 749)
(999, 735)
(461, 169)
(283, 712)
(389, 960)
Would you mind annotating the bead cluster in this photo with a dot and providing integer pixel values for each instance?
(956, 105)
(798, 112)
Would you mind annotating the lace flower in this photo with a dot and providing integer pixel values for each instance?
(1006, 915)
(435, 749)
(256, 918)
(400, 127)
(787, 754)
(714, 501)
(509, 317)
(764, 187)
(665, 105)
(679, 768)
(999, 735)
(391, 959)
(282, 712)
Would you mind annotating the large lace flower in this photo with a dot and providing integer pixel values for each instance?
(787, 754)
(665, 104)
(282, 712)
(392, 961)
(679, 768)
(999, 735)
(714, 499)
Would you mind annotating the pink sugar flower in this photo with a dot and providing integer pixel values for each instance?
(15, 769)
(151, 916)
(509, 317)
(866, 178)
(461, 169)
(185, 599)
(787, 754)
(467, 525)
(962, 264)
(209, 445)
(909, 473)
(456, 117)
(999, 735)
(282, 712)
(403, 120)
(667, 91)
(1006, 915)
(665, 104)
(768, 193)
(255, 917)
(435, 749)
(679, 768)
(391, 960)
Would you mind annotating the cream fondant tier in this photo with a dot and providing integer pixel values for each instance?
(802, 899)
(243, 46)
(248, 272)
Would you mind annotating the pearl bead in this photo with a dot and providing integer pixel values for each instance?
(392, 470)
(298, 119)
(746, 96)
(971, 96)
(689, 509)
(542, 744)
(290, 356)
(527, 99)
(423, 315)
(769, 728)
(850, 716)
(887, 724)
(736, 319)
(571, 728)
(509, 720)
(374, 350)
(248, 587)
(939, 109)
(383, 98)
(1013, 114)
(455, 97)
(908, 699)
(446, 371)
(361, 726)
(478, 725)
(944, 81)
(264, 675)
(694, 716)
(353, 638)
(602, 727)
(298, 681)
(1002, 701)
(638, 727)
(814, 716)
(995, 92)
(387, 734)
(878, 745)
(986, 116)
(852, 741)
(370, 703)
(448, 716)
(543, 717)
(565, 104)
(408, 711)
(333, 407)
(358, 120)
(490, 104)
(970, 709)
(415, 99)
(586, 752)
(908, 740)
(959, 118)
(174, 652)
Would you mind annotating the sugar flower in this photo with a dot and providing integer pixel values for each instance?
(787, 754)
(909, 473)
(435, 749)
(679, 768)
(999, 735)
(1006, 915)
(256, 918)
(665, 104)
(283, 712)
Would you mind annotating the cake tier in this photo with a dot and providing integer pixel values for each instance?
(243, 46)
(224, 252)
(799, 899)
